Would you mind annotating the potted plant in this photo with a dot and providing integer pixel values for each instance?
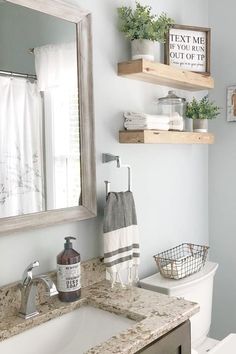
(143, 29)
(200, 112)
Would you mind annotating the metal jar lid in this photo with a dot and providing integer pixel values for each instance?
(171, 98)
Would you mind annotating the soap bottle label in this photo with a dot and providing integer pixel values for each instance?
(68, 277)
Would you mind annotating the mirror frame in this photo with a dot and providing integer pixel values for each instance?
(88, 208)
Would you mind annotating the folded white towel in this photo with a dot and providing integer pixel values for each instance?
(138, 115)
(155, 126)
(161, 129)
(131, 126)
(148, 118)
(157, 122)
(143, 121)
(180, 270)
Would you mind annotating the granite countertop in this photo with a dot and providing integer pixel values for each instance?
(156, 315)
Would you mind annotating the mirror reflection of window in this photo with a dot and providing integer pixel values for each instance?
(56, 70)
(39, 119)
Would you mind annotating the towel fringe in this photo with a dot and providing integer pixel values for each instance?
(133, 276)
(118, 277)
(136, 275)
(115, 278)
(130, 276)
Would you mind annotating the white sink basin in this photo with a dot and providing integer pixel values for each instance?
(73, 333)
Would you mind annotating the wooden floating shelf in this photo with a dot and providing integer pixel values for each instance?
(165, 75)
(164, 137)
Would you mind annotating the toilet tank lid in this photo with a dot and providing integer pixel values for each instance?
(227, 345)
(157, 282)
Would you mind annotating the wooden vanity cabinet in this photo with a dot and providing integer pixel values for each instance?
(177, 341)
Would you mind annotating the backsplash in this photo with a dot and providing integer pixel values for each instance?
(92, 271)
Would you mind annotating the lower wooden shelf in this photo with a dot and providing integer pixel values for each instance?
(164, 137)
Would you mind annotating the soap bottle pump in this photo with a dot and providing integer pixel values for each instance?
(68, 273)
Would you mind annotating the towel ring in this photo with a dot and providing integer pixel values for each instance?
(109, 158)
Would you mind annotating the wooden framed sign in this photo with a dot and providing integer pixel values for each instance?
(188, 48)
(231, 103)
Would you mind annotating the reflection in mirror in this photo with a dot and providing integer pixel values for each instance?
(39, 119)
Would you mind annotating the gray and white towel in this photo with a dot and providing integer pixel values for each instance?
(121, 237)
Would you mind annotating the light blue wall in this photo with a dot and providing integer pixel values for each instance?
(222, 170)
(169, 181)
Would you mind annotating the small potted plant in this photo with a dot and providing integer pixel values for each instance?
(200, 112)
(143, 29)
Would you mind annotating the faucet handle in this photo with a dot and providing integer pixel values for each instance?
(28, 273)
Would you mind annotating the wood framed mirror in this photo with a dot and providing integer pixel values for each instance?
(86, 207)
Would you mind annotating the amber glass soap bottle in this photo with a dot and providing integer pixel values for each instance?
(68, 273)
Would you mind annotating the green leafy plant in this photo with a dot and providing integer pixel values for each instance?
(139, 23)
(203, 109)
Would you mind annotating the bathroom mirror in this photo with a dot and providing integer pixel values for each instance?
(47, 173)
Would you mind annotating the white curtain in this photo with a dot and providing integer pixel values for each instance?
(21, 180)
(56, 69)
(56, 66)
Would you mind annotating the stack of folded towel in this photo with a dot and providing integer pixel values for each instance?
(142, 121)
(183, 267)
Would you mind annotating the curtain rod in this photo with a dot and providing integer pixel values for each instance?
(20, 75)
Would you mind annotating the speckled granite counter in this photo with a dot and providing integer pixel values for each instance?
(156, 315)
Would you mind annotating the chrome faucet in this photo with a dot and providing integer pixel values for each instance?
(28, 287)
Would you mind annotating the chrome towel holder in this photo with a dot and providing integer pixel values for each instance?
(110, 158)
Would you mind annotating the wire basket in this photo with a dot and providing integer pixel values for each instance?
(181, 261)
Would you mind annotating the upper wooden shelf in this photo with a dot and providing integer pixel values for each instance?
(165, 75)
(164, 137)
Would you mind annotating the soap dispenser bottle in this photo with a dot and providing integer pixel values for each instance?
(68, 273)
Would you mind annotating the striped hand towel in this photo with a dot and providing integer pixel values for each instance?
(121, 237)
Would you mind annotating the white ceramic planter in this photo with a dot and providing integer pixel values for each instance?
(200, 125)
(144, 49)
(188, 125)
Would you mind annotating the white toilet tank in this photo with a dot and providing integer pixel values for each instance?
(197, 288)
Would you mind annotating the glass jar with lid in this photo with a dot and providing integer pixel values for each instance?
(173, 107)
